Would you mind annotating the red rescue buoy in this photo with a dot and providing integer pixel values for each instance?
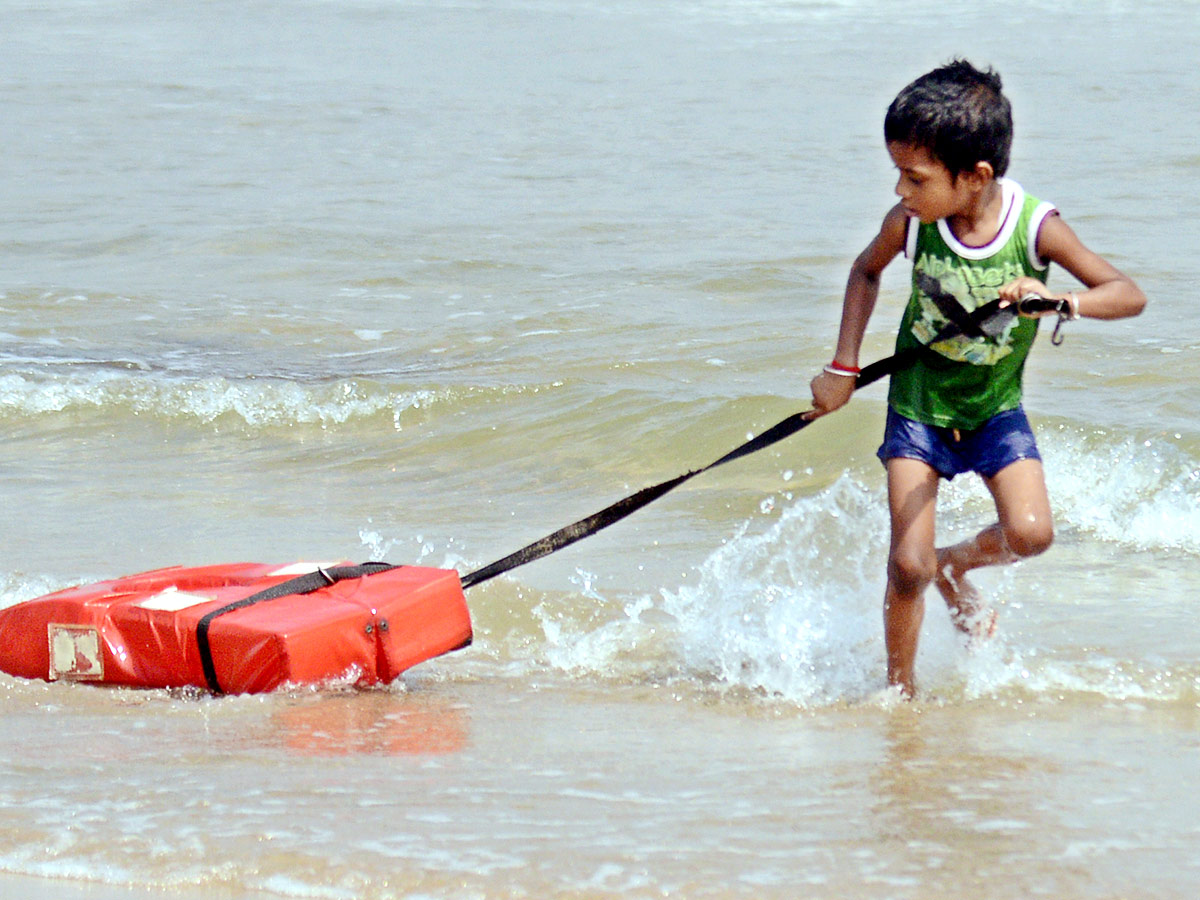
(240, 627)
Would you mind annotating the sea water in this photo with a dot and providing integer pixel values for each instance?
(424, 280)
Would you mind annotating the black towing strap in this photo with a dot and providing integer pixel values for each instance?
(988, 319)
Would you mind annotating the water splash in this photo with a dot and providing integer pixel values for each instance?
(1139, 492)
(792, 611)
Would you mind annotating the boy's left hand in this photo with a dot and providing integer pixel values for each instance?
(830, 392)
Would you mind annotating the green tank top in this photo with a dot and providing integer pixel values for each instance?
(965, 381)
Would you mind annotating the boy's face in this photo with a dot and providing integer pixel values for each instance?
(925, 187)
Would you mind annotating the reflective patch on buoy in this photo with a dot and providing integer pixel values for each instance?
(173, 600)
(75, 653)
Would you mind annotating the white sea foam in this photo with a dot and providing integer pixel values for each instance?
(17, 588)
(1135, 492)
(256, 402)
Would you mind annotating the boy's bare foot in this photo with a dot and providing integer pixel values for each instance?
(968, 612)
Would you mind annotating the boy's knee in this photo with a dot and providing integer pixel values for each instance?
(1030, 538)
(911, 573)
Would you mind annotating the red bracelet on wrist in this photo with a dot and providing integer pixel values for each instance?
(836, 368)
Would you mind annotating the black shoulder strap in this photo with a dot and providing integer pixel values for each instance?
(987, 321)
(948, 305)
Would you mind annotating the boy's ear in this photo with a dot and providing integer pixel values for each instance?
(981, 174)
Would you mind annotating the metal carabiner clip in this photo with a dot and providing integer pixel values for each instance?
(1061, 308)
(1058, 337)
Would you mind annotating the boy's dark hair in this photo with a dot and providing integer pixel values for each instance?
(956, 112)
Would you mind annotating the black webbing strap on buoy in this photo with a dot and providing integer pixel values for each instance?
(988, 319)
(302, 584)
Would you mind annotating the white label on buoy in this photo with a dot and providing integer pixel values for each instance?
(75, 653)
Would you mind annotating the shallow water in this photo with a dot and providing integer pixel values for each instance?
(424, 281)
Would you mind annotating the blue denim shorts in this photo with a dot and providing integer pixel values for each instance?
(1003, 439)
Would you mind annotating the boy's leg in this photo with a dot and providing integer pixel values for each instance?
(912, 560)
(1025, 528)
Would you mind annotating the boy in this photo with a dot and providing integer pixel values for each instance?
(957, 409)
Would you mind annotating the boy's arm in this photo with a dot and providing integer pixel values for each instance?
(832, 391)
(1110, 293)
